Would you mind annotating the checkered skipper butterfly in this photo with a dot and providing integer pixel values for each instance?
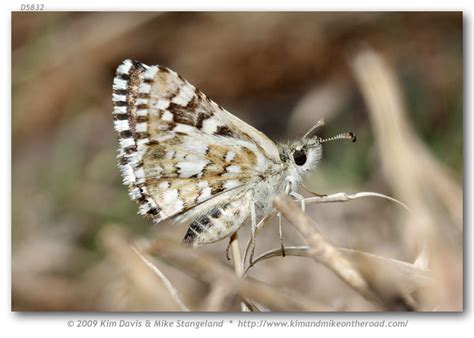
(187, 159)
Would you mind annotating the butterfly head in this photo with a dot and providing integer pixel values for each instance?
(304, 155)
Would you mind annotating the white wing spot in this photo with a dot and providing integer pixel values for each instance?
(231, 184)
(230, 156)
(127, 142)
(185, 95)
(233, 169)
(196, 147)
(140, 174)
(119, 84)
(189, 169)
(141, 141)
(210, 125)
(183, 128)
(162, 104)
(127, 174)
(141, 127)
(117, 98)
(135, 193)
(150, 73)
(167, 116)
(141, 101)
(205, 194)
(144, 88)
(142, 112)
(120, 110)
(124, 68)
(121, 125)
(171, 201)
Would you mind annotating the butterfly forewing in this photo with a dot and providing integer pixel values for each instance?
(181, 154)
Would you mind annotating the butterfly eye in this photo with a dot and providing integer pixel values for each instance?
(299, 156)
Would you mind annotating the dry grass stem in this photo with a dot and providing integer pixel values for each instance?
(217, 298)
(209, 270)
(238, 263)
(236, 256)
(146, 281)
(416, 177)
(302, 251)
(410, 167)
(321, 250)
(391, 278)
(345, 197)
(171, 289)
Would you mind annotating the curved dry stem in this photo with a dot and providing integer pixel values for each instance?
(345, 197)
(391, 279)
(297, 251)
(333, 198)
(302, 251)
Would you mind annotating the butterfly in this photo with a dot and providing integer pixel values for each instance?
(184, 158)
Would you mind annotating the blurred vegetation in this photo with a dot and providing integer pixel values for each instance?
(280, 72)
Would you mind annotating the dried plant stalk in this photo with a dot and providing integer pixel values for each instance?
(209, 270)
(394, 281)
(416, 177)
(217, 297)
(238, 262)
(150, 282)
(409, 166)
(345, 197)
(236, 256)
(166, 282)
(321, 250)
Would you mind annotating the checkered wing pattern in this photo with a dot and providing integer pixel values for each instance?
(183, 156)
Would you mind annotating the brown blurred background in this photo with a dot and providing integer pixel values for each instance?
(395, 79)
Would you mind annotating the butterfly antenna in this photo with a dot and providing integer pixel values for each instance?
(343, 136)
(313, 128)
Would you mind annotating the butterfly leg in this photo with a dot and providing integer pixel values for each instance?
(227, 249)
(280, 232)
(297, 196)
(314, 193)
(253, 220)
(289, 191)
(260, 226)
(300, 198)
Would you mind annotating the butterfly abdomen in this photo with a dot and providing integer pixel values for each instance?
(219, 222)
